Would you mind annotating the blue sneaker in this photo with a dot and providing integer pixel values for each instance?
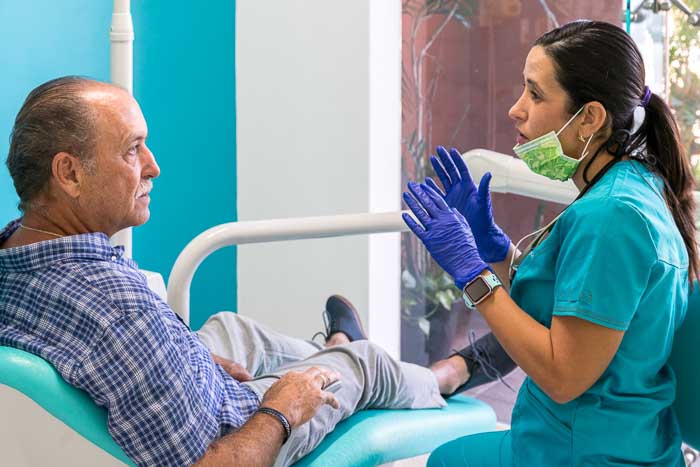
(341, 316)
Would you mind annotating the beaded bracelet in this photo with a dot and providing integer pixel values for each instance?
(282, 419)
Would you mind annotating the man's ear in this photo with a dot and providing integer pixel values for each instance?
(594, 119)
(68, 173)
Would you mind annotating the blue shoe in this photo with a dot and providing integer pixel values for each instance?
(341, 316)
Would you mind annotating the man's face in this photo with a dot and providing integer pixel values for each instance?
(117, 179)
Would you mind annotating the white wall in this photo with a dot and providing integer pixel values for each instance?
(318, 133)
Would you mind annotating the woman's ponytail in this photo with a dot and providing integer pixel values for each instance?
(669, 159)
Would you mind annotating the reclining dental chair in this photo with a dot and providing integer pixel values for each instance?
(369, 438)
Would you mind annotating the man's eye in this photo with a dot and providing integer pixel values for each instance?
(133, 150)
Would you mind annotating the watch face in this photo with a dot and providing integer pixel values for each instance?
(477, 289)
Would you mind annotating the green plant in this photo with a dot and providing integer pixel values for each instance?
(436, 287)
(684, 78)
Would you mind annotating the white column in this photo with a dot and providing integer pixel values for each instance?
(384, 270)
(318, 133)
(121, 36)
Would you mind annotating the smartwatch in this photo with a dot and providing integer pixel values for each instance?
(479, 289)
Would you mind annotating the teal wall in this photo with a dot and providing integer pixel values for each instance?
(41, 41)
(184, 79)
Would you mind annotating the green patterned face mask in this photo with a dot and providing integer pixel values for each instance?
(544, 155)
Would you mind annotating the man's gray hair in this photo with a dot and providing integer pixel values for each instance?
(54, 118)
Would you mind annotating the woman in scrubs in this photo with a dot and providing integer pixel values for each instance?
(590, 308)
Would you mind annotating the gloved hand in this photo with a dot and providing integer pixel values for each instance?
(445, 234)
(475, 205)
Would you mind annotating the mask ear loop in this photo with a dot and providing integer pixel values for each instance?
(584, 153)
(570, 120)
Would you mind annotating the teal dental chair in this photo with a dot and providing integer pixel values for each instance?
(369, 438)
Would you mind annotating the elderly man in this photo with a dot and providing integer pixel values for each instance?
(234, 393)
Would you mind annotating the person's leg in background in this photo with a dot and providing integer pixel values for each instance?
(491, 449)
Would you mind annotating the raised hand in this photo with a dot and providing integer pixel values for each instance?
(473, 203)
(445, 234)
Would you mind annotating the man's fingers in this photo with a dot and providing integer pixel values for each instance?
(314, 373)
(234, 370)
(239, 373)
(329, 399)
(218, 359)
(330, 377)
(322, 376)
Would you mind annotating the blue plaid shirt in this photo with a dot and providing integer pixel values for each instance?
(78, 303)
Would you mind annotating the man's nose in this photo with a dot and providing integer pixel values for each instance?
(150, 166)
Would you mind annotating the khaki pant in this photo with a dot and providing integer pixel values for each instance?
(370, 378)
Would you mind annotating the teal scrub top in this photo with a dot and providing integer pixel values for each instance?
(614, 258)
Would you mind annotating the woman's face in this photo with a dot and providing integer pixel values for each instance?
(542, 107)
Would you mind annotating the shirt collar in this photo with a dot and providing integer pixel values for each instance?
(89, 246)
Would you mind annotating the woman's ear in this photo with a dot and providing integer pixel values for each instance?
(595, 119)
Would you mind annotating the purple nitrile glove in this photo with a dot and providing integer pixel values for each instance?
(474, 204)
(445, 234)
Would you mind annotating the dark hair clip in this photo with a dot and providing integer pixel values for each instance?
(639, 155)
(617, 143)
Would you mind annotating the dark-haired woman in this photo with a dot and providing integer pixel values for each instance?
(591, 313)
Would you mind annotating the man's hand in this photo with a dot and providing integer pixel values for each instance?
(232, 368)
(299, 395)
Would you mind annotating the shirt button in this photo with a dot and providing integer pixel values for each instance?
(114, 257)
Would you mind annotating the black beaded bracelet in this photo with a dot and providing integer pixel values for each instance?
(282, 419)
